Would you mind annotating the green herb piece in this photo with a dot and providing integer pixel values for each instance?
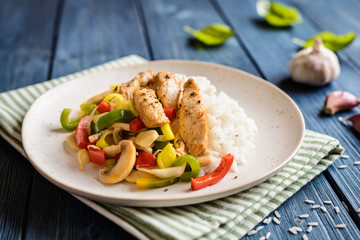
(212, 35)
(277, 14)
(332, 41)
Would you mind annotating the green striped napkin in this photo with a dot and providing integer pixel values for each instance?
(227, 218)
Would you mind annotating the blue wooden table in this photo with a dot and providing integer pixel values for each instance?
(41, 40)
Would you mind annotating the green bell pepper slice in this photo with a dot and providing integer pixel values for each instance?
(145, 183)
(70, 125)
(118, 115)
(190, 161)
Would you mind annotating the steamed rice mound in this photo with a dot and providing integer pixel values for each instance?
(230, 129)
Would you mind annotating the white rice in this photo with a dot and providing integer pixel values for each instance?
(230, 129)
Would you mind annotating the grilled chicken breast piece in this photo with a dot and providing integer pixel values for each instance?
(193, 121)
(168, 87)
(149, 108)
(140, 80)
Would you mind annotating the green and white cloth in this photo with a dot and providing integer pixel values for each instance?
(227, 218)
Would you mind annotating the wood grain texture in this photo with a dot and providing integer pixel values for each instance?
(165, 21)
(92, 33)
(25, 46)
(290, 211)
(264, 43)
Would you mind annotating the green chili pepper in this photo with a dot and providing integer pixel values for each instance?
(145, 183)
(71, 125)
(192, 162)
(118, 115)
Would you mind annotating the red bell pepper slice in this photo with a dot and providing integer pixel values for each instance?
(81, 137)
(97, 156)
(214, 177)
(103, 107)
(144, 159)
(136, 124)
(170, 112)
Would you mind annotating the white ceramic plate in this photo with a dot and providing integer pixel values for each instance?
(280, 133)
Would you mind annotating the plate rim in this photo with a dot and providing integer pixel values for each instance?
(186, 200)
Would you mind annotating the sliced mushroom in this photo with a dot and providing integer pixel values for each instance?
(124, 165)
(98, 98)
(111, 151)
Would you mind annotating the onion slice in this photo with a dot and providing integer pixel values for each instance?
(164, 172)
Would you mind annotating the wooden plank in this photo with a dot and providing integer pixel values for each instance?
(165, 21)
(272, 49)
(340, 17)
(290, 211)
(90, 33)
(24, 57)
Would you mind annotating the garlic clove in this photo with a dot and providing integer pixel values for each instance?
(355, 119)
(339, 100)
(315, 65)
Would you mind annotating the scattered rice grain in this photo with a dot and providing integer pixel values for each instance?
(262, 238)
(313, 223)
(340, 225)
(309, 229)
(252, 232)
(276, 220)
(323, 209)
(315, 206)
(277, 214)
(327, 202)
(357, 163)
(345, 156)
(268, 235)
(337, 209)
(358, 211)
(304, 216)
(342, 166)
(259, 228)
(304, 237)
(299, 229)
(293, 231)
(309, 201)
(345, 206)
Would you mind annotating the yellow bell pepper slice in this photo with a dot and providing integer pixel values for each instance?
(131, 108)
(161, 138)
(117, 99)
(167, 157)
(105, 141)
(168, 133)
(146, 183)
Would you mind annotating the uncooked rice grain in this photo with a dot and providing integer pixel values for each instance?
(252, 232)
(344, 156)
(259, 228)
(277, 214)
(298, 229)
(276, 220)
(313, 223)
(262, 238)
(337, 209)
(309, 201)
(342, 166)
(309, 229)
(268, 235)
(315, 206)
(327, 202)
(304, 216)
(340, 225)
(357, 163)
(323, 209)
(293, 231)
(305, 237)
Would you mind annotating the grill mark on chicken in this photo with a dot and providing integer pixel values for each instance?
(149, 108)
(193, 120)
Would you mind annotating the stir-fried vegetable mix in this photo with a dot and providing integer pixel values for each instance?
(110, 133)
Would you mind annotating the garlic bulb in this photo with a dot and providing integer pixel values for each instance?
(315, 65)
